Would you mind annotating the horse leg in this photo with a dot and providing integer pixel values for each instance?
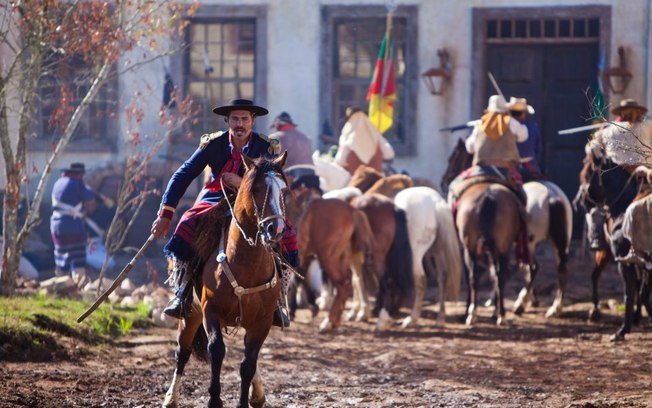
(628, 274)
(473, 269)
(601, 260)
(501, 277)
(257, 397)
(419, 276)
(253, 341)
(530, 272)
(339, 273)
(562, 278)
(216, 352)
(361, 309)
(187, 331)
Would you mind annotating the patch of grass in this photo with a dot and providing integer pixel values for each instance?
(32, 327)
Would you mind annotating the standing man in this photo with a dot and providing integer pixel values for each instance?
(71, 201)
(299, 167)
(221, 151)
(530, 148)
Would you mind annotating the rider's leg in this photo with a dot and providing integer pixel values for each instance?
(182, 281)
(290, 251)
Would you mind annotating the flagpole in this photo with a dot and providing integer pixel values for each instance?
(388, 33)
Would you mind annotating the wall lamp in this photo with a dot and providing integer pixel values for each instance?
(437, 77)
(617, 78)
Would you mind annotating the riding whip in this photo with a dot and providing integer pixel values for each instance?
(117, 280)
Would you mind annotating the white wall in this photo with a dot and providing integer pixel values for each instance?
(293, 52)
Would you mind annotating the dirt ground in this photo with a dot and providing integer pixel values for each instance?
(530, 362)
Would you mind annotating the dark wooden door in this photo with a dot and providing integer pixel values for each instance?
(558, 80)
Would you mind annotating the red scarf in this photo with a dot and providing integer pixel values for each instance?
(231, 166)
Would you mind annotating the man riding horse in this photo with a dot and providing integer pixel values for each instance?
(493, 144)
(221, 151)
(528, 149)
(626, 141)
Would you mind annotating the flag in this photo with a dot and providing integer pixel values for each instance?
(599, 113)
(382, 91)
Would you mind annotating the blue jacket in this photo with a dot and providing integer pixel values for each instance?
(214, 151)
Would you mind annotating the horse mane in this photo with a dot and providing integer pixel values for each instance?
(390, 185)
(364, 177)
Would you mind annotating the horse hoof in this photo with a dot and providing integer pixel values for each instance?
(617, 337)
(257, 403)
(553, 312)
(350, 316)
(362, 317)
(594, 315)
(500, 321)
(519, 310)
(470, 320)
(407, 322)
(170, 402)
(314, 310)
(326, 326)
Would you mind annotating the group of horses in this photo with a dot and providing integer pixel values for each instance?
(371, 234)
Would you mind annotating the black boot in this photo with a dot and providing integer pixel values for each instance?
(180, 304)
(280, 318)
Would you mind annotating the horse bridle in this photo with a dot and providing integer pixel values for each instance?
(272, 175)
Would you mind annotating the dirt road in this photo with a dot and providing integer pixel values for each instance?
(531, 362)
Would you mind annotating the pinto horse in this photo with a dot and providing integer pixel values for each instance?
(488, 219)
(241, 286)
(606, 184)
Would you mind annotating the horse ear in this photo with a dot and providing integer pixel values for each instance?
(247, 162)
(280, 161)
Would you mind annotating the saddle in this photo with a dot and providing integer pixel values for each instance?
(484, 174)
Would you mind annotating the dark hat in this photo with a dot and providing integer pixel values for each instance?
(627, 104)
(76, 168)
(240, 104)
(283, 118)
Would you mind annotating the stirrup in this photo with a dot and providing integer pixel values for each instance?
(280, 318)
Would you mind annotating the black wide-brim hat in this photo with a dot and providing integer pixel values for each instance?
(76, 168)
(240, 104)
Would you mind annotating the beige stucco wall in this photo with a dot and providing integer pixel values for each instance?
(293, 52)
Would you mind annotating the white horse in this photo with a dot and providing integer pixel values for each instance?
(331, 175)
(550, 217)
(431, 232)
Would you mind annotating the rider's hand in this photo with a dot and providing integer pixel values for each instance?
(161, 227)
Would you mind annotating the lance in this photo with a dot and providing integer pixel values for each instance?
(117, 280)
(495, 84)
(582, 128)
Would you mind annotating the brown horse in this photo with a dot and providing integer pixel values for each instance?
(334, 232)
(488, 219)
(241, 286)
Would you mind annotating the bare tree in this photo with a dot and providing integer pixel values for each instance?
(37, 38)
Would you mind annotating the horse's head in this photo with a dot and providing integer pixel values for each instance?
(265, 183)
(592, 190)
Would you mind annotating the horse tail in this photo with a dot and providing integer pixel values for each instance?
(560, 227)
(363, 236)
(487, 217)
(446, 250)
(398, 266)
(200, 344)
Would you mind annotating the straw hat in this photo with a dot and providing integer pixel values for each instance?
(496, 103)
(519, 105)
(627, 104)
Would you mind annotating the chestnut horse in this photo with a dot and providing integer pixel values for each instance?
(488, 219)
(335, 233)
(241, 286)
(549, 217)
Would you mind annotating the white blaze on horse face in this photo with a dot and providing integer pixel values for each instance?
(276, 185)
